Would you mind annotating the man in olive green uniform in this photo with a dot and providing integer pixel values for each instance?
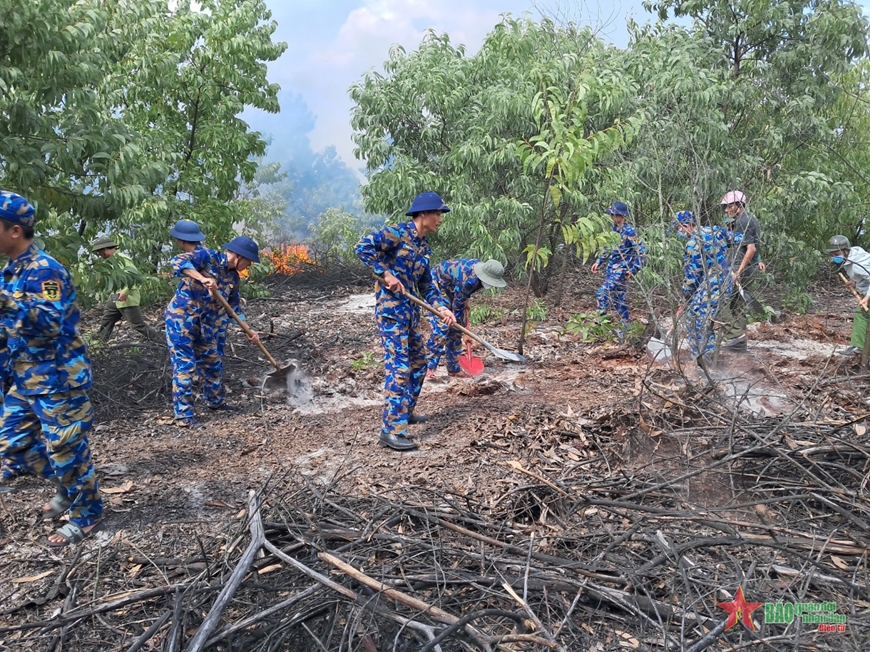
(125, 303)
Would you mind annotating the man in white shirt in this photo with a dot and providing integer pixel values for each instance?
(855, 263)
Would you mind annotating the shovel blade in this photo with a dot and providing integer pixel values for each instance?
(510, 356)
(470, 364)
(281, 377)
(658, 349)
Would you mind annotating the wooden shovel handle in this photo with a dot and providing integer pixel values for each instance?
(250, 333)
(434, 311)
(854, 291)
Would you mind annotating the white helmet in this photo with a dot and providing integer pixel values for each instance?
(733, 197)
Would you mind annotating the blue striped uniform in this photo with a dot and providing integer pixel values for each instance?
(403, 252)
(457, 281)
(707, 280)
(624, 260)
(196, 328)
(49, 373)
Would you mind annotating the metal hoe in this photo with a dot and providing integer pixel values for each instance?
(510, 356)
(279, 375)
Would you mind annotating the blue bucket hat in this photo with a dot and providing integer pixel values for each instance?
(683, 218)
(427, 201)
(244, 247)
(15, 208)
(187, 230)
(618, 208)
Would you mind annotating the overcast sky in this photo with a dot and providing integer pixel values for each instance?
(333, 43)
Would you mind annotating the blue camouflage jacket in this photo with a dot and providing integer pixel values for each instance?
(629, 255)
(40, 326)
(191, 297)
(705, 260)
(457, 281)
(401, 251)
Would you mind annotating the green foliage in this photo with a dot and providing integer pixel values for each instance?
(366, 360)
(798, 300)
(334, 236)
(124, 117)
(511, 136)
(537, 311)
(481, 313)
(591, 327)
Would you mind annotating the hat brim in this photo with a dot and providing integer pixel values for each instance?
(238, 251)
(412, 213)
(483, 276)
(187, 237)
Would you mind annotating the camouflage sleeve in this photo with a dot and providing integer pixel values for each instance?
(195, 259)
(692, 278)
(42, 308)
(429, 289)
(235, 301)
(639, 258)
(370, 249)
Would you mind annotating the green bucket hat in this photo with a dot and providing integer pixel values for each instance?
(490, 273)
(104, 242)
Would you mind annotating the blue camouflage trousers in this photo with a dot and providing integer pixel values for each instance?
(702, 310)
(611, 294)
(62, 453)
(193, 350)
(444, 339)
(405, 362)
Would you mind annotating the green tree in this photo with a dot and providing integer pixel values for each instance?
(61, 144)
(182, 87)
(511, 136)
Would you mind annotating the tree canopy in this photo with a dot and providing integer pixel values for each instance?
(546, 125)
(123, 114)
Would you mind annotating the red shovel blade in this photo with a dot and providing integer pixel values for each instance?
(472, 365)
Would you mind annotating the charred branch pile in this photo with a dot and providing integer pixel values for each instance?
(574, 549)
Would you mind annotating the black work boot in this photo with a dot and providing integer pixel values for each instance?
(417, 418)
(397, 442)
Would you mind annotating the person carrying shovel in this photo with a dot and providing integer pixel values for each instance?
(855, 262)
(399, 257)
(707, 280)
(195, 322)
(458, 279)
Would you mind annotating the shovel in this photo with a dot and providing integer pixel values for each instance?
(510, 356)
(275, 378)
(865, 353)
(470, 364)
(854, 291)
(751, 302)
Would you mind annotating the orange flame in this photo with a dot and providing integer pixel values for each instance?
(289, 259)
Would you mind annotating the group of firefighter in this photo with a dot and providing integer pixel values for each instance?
(716, 260)
(46, 373)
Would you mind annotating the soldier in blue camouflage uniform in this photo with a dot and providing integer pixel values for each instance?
(399, 255)
(195, 322)
(707, 279)
(458, 280)
(623, 261)
(8, 469)
(240, 253)
(49, 374)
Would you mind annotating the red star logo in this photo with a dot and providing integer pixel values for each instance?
(739, 609)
